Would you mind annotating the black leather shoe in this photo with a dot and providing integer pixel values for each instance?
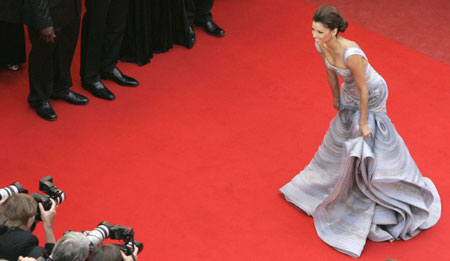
(212, 29)
(119, 78)
(72, 98)
(192, 39)
(45, 111)
(98, 89)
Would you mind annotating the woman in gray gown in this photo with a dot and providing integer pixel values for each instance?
(362, 183)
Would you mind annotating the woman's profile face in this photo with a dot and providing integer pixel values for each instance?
(321, 33)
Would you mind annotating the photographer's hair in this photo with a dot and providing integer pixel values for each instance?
(330, 17)
(106, 252)
(73, 246)
(17, 210)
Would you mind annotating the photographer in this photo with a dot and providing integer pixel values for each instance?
(18, 214)
(112, 253)
(73, 246)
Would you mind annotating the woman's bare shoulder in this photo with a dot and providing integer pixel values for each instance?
(346, 43)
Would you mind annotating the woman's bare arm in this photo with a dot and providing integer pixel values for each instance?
(333, 80)
(357, 64)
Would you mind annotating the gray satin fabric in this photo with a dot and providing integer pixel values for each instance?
(356, 189)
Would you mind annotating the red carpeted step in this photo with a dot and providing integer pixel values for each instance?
(418, 24)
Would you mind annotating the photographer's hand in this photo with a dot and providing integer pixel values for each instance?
(132, 257)
(47, 217)
(21, 258)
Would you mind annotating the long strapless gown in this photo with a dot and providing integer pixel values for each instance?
(357, 190)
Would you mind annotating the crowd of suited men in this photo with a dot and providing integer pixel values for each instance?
(53, 29)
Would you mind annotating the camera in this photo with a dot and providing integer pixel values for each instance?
(100, 233)
(126, 234)
(128, 249)
(105, 230)
(46, 185)
(14, 188)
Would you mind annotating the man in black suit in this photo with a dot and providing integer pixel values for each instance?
(53, 27)
(18, 214)
(102, 32)
(199, 13)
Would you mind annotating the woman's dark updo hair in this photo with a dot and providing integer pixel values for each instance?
(330, 17)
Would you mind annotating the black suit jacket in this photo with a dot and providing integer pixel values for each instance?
(40, 14)
(11, 11)
(17, 242)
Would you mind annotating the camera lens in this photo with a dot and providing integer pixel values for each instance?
(59, 197)
(9, 191)
(100, 233)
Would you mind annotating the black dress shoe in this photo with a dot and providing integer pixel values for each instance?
(98, 89)
(192, 39)
(212, 29)
(45, 111)
(71, 97)
(119, 78)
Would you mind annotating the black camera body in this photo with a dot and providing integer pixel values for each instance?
(105, 230)
(46, 185)
(121, 233)
(125, 234)
(44, 200)
(128, 249)
(52, 192)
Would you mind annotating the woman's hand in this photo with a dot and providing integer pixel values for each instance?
(364, 130)
(336, 103)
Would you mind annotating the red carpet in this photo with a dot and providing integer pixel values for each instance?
(418, 24)
(193, 157)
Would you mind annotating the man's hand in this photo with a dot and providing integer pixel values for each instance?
(48, 34)
(48, 216)
(132, 257)
(21, 258)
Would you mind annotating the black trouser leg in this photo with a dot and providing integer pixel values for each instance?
(116, 23)
(199, 11)
(92, 37)
(190, 12)
(40, 68)
(203, 11)
(65, 49)
(102, 32)
(12, 43)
